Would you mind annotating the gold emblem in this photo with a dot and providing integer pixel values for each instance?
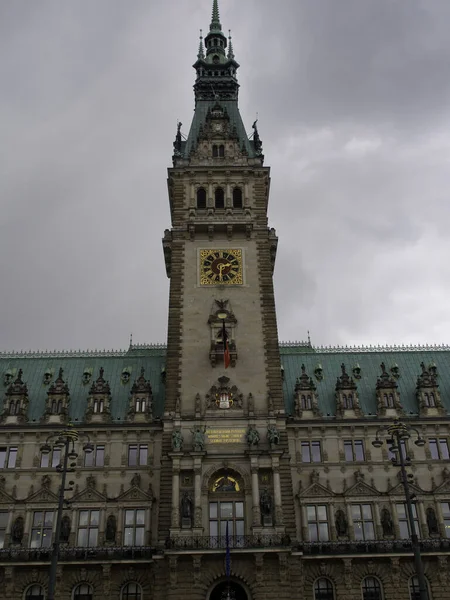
(221, 267)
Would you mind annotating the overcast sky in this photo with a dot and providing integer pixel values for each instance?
(354, 113)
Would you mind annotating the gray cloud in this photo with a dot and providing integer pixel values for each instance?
(353, 100)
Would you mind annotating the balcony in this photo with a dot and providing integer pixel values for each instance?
(236, 542)
(371, 547)
(77, 554)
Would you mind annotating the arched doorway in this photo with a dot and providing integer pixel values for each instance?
(228, 591)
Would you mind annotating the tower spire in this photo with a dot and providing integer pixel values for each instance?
(230, 46)
(215, 21)
(201, 50)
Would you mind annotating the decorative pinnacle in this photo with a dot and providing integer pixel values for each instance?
(230, 46)
(201, 50)
(215, 21)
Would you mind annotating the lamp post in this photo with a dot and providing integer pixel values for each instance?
(397, 433)
(64, 441)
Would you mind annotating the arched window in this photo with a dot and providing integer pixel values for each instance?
(219, 197)
(226, 509)
(414, 589)
(201, 198)
(221, 151)
(237, 198)
(347, 401)
(432, 401)
(391, 401)
(56, 407)
(35, 592)
(306, 402)
(98, 406)
(215, 151)
(14, 407)
(323, 589)
(141, 405)
(371, 589)
(131, 591)
(83, 591)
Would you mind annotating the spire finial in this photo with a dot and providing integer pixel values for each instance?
(230, 46)
(201, 50)
(215, 21)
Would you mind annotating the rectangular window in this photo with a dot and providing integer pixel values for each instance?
(133, 533)
(41, 530)
(3, 525)
(221, 513)
(8, 457)
(354, 450)
(88, 523)
(52, 458)
(363, 522)
(439, 448)
(137, 455)
(317, 523)
(311, 452)
(445, 506)
(95, 458)
(403, 523)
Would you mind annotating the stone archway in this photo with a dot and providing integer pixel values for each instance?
(225, 590)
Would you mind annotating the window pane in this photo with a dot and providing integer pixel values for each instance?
(56, 458)
(369, 531)
(213, 510)
(93, 535)
(88, 459)
(323, 532)
(82, 537)
(356, 512)
(322, 513)
(129, 517)
(12, 458)
(359, 532)
(433, 449)
(445, 509)
(139, 536)
(239, 528)
(38, 518)
(84, 518)
(401, 511)
(444, 449)
(48, 520)
(132, 456)
(100, 457)
(313, 533)
(239, 510)
(311, 511)
(3, 519)
(226, 510)
(367, 511)
(44, 460)
(95, 515)
(359, 450)
(213, 528)
(2, 538)
(348, 451)
(35, 538)
(2, 457)
(404, 530)
(316, 451)
(140, 517)
(143, 455)
(128, 536)
(306, 453)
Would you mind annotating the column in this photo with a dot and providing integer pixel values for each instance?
(256, 513)
(198, 492)
(175, 521)
(277, 491)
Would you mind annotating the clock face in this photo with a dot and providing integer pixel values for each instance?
(221, 267)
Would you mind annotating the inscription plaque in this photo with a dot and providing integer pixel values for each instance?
(226, 435)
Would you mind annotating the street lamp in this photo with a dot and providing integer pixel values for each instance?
(62, 440)
(398, 432)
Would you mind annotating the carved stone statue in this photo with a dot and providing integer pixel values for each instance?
(17, 531)
(111, 527)
(198, 439)
(46, 481)
(177, 440)
(252, 436)
(341, 523)
(386, 522)
(265, 502)
(272, 435)
(433, 527)
(136, 480)
(186, 506)
(65, 529)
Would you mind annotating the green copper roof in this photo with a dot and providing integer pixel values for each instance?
(215, 20)
(407, 359)
(34, 366)
(201, 110)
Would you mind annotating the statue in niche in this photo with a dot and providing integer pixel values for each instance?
(252, 436)
(177, 440)
(433, 527)
(111, 527)
(198, 439)
(272, 435)
(46, 481)
(17, 531)
(186, 506)
(65, 529)
(265, 502)
(341, 523)
(386, 522)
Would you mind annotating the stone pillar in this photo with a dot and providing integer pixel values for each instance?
(256, 513)
(304, 524)
(277, 491)
(198, 492)
(210, 195)
(175, 521)
(228, 202)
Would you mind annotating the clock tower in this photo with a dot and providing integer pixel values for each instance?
(224, 415)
